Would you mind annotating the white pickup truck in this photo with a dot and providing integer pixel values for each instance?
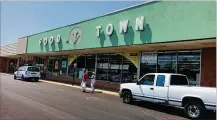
(173, 90)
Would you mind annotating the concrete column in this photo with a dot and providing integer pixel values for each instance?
(18, 63)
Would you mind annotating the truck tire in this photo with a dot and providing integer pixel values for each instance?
(194, 109)
(127, 97)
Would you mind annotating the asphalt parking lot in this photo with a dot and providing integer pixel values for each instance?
(21, 100)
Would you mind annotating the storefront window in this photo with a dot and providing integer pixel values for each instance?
(148, 63)
(166, 62)
(63, 67)
(12, 65)
(115, 66)
(57, 65)
(182, 62)
(40, 63)
(50, 65)
(129, 71)
(189, 64)
(72, 70)
(77, 67)
(90, 64)
(102, 67)
(110, 67)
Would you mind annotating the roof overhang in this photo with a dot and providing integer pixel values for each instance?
(181, 45)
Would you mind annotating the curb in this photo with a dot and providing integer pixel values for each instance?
(78, 87)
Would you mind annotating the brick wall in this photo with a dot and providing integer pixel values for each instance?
(3, 65)
(111, 86)
(208, 67)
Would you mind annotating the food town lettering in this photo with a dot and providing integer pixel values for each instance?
(123, 25)
(50, 40)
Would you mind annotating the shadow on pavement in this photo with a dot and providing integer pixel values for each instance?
(93, 92)
(32, 81)
(97, 92)
(210, 115)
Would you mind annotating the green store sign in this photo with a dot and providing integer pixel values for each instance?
(165, 21)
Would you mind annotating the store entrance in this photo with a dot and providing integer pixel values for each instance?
(109, 67)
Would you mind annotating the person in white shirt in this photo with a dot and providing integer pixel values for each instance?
(92, 81)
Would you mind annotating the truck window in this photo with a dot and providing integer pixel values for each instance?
(160, 80)
(147, 80)
(178, 80)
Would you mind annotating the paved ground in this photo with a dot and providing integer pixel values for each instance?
(22, 100)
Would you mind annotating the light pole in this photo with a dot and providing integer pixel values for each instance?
(74, 66)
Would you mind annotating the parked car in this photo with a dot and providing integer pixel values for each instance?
(27, 73)
(172, 90)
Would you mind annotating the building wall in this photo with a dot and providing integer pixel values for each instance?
(208, 67)
(8, 50)
(21, 49)
(3, 64)
(98, 85)
(164, 22)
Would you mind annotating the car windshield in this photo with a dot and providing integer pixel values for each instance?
(33, 69)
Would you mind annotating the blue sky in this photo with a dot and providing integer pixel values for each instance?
(19, 19)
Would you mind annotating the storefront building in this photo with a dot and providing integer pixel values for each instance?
(120, 47)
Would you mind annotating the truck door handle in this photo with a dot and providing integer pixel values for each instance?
(151, 88)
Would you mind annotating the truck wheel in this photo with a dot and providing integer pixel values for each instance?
(194, 109)
(127, 97)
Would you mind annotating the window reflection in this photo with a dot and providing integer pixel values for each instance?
(166, 62)
(129, 71)
(148, 63)
(40, 63)
(182, 62)
(77, 71)
(115, 65)
(90, 64)
(102, 67)
(189, 64)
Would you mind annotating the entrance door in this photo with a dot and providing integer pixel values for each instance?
(147, 85)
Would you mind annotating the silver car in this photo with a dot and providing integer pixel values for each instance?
(27, 73)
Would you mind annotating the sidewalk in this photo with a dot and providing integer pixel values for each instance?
(73, 86)
(79, 87)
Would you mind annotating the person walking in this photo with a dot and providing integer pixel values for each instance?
(84, 80)
(93, 80)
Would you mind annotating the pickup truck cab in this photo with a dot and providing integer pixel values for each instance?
(173, 90)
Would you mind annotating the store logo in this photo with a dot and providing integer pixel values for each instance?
(75, 36)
